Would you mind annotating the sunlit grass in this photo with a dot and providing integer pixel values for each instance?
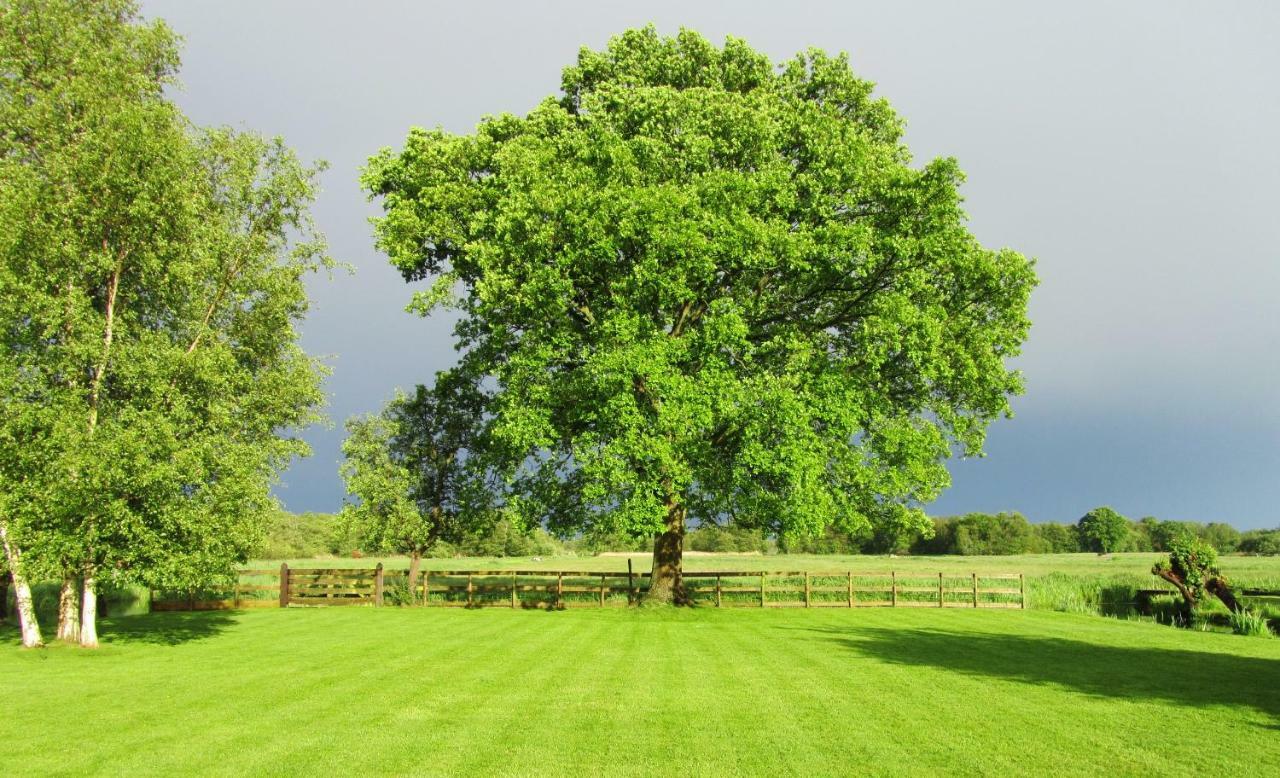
(627, 691)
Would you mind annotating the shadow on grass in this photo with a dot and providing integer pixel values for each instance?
(165, 629)
(155, 629)
(1180, 677)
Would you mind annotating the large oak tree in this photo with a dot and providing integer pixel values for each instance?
(711, 288)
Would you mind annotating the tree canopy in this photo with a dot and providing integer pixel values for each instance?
(710, 287)
(1103, 529)
(151, 280)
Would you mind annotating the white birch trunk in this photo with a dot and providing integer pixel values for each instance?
(31, 637)
(89, 613)
(69, 610)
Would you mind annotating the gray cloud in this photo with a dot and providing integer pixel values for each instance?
(1129, 147)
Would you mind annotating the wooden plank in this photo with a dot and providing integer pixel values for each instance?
(941, 596)
(975, 590)
(284, 585)
(332, 601)
(999, 591)
(314, 591)
(806, 590)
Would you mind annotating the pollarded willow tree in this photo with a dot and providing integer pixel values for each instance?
(711, 288)
(151, 282)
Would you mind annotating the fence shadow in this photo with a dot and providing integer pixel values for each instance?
(165, 629)
(1181, 677)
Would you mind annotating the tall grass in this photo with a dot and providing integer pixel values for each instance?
(1249, 623)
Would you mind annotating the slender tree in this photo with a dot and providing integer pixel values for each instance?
(709, 287)
(416, 470)
(151, 279)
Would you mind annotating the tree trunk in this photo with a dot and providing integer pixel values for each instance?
(1219, 588)
(31, 637)
(4, 597)
(415, 564)
(69, 610)
(1173, 578)
(89, 612)
(666, 585)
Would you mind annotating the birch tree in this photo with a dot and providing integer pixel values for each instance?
(151, 280)
(711, 287)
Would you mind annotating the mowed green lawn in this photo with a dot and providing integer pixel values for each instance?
(628, 691)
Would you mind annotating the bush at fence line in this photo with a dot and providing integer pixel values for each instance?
(395, 591)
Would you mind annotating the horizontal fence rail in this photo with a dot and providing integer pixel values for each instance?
(560, 589)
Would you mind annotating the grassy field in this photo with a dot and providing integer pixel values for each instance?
(703, 692)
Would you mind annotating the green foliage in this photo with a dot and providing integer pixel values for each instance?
(302, 535)
(1261, 541)
(702, 283)
(998, 534)
(1057, 538)
(504, 539)
(714, 537)
(1103, 530)
(152, 277)
(1192, 561)
(415, 469)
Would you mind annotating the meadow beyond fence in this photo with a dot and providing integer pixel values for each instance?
(558, 589)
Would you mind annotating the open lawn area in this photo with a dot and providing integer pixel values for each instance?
(641, 691)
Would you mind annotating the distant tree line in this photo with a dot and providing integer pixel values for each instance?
(972, 534)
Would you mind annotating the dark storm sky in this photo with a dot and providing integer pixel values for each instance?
(1133, 149)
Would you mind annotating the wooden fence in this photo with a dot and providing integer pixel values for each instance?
(559, 589)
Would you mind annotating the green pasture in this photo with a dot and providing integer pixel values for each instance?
(641, 692)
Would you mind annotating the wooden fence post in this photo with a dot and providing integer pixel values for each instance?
(940, 589)
(469, 589)
(893, 587)
(602, 590)
(806, 588)
(559, 588)
(284, 585)
(236, 595)
(1022, 591)
(426, 588)
(975, 590)
(717, 590)
(631, 584)
(514, 597)
(762, 590)
(850, 588)
(377, 585)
